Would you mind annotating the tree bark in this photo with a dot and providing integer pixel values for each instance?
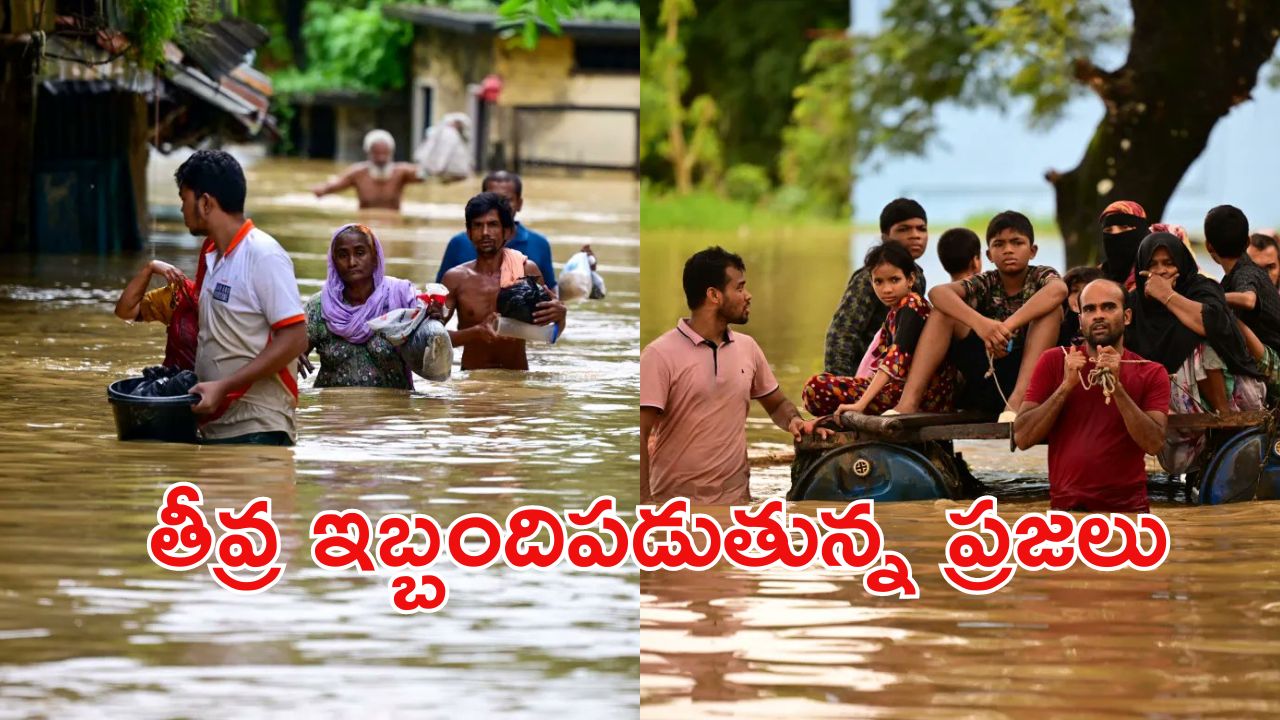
(1188, 65)
(675, 110)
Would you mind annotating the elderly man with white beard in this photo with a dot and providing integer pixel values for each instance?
(379, 181)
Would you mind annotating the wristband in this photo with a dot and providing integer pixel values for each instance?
(1171, 294)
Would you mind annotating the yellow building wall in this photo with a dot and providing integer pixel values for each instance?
(546, 76)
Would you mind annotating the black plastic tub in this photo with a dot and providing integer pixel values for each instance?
(167, 419)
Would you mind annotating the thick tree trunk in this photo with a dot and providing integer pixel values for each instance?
(1188, 65)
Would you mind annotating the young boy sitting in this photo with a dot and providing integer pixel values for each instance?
(960, 251)
(1000, 320)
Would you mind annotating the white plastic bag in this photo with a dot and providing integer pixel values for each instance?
(423, 342)
(579, 279)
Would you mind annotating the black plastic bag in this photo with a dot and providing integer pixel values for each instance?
(165, 381)
(520, 300)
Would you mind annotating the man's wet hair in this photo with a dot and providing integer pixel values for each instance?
(503, 176)
(216, 174)
(486, 201)
(1227, 230)
(1083, 274)
(957, 248)
(1011, 220)
(706, 269)
(890, 253)
(1262, 241)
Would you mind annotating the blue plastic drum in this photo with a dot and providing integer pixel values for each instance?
(1243, 468)
(878, 471)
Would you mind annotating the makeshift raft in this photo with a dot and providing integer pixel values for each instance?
(912, 457)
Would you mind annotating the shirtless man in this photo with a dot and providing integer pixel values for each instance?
(473, 289)
(379, 182)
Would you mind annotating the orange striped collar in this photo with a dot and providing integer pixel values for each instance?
(240, 235)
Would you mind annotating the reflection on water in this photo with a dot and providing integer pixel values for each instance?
(1195, 638)
(89, 627)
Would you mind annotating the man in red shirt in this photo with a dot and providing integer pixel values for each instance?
(1096, 449)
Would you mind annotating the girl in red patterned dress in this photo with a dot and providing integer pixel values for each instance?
(883, 373)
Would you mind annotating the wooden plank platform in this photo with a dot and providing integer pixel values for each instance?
(927, 427)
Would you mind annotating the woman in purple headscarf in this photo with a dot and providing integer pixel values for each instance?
(357, 291)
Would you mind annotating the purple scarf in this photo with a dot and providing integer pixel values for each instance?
(352, 323)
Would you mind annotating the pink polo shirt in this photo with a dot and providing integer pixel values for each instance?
(703, 391)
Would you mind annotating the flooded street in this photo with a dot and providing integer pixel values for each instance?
(1197, 637)
(89, 627)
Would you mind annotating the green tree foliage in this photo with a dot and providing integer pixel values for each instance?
(686, 138)
(747, 183)
(747, 56)
(350, 48)
(149, 24)
(972, 52)
(816, 164)
(1187, 65)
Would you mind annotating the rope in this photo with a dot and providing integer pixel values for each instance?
(1100, 376)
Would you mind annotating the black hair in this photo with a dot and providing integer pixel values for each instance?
(485, 202)
(1227, 230)
(503, 176)
(1262, 241)
(1084, 274)
(957, 248)
(1011, 220)
(706, 269)
(216, 174)
(890, 253)
(898, 210)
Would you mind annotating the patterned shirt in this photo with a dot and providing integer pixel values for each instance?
(985, 293)
(376, 363)
(856, 320)
(1264, 318)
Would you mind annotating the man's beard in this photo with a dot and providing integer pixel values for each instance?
(1109, 340)
(380, 172)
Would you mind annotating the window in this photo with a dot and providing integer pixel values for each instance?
(606, 57)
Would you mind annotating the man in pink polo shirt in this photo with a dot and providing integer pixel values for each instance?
(696, 386)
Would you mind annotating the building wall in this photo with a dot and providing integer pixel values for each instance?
(447, 63)
(546, 76)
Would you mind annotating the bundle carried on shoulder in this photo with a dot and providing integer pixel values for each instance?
(422, 340)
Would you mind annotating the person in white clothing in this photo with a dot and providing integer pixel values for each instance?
(445, 152)
(252, 326)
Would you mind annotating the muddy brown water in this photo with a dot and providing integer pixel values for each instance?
(1198, 637)
(90, 628)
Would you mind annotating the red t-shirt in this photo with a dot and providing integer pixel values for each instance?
(1093, 461)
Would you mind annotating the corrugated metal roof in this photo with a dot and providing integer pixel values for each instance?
(218, 48)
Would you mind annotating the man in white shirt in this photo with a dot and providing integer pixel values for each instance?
(252, 325)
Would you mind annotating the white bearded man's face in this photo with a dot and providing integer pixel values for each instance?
(380, 161)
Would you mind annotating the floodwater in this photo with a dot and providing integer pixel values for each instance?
(1198, 637)
(89, 627)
